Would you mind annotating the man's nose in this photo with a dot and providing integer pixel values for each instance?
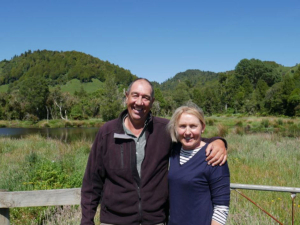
(139, 101)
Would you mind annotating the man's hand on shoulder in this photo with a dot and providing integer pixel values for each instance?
(216, 153)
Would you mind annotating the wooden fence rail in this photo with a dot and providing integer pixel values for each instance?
(36, 198)
(72, 197)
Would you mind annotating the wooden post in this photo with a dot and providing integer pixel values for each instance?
(4, 213)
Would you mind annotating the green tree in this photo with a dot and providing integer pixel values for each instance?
(181, 94)
(293, 102)
(112, 101)
(255, 69)
(159, 98)
(33, 93)
(274, 100)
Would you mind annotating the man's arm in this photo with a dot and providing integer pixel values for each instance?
(92, 184)
(216, 151)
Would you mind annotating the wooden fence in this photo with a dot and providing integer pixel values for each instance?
(36, 198)
(72, 197)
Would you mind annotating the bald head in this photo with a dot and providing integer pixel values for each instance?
(141, 79)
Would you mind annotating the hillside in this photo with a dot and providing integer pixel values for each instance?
(198, 78)
(192, 77)
(61, 67)
(73, 85)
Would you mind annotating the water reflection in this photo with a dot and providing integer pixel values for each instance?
(64, 134)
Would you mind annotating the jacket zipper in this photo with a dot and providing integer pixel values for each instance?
(122, 160)
(140, 204)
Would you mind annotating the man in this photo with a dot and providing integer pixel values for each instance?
(128, 165)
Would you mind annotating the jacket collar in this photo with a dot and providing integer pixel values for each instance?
(149, 121)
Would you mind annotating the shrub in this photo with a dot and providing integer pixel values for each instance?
(2, 125)
(239, 123)
(265, 123)
(68, 124)
(279, 122)
(31, 117)
(210, 122)
(239, 130)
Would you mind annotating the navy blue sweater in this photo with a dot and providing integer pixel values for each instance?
(195, 187)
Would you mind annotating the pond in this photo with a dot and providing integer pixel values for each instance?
(64, 134)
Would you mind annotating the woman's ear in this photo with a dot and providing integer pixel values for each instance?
(203, 127)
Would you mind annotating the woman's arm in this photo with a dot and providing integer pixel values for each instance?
(219, 184)
(213, 222)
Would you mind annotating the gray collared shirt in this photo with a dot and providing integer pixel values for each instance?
(140, 143)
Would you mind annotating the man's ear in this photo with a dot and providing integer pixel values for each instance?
(152, 100)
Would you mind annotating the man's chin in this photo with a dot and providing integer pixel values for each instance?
(138, 117)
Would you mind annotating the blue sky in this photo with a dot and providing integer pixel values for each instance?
(156, 39)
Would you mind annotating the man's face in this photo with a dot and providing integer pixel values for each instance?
(139, 101)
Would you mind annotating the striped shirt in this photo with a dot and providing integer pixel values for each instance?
(186, 155)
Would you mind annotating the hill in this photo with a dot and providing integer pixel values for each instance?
(51, 84)
(192, 77)
(61, 67)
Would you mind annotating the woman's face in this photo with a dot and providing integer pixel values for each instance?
(189, 129)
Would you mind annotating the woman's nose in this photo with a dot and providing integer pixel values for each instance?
(187, 130)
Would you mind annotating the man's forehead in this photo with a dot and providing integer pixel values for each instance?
(141, 87)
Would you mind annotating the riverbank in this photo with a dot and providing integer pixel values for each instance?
(57, 123)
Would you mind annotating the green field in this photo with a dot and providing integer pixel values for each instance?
(75, 85)
(267, 153)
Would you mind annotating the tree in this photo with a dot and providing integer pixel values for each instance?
(255, 69)
(181, 94)
(33, 93)
(293, 102)
(62, 103)
(274, 101)
(159, 98)
(112, 101)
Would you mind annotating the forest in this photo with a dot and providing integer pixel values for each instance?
(32, 87)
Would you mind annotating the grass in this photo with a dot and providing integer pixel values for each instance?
(75, 85)
(263, 159)
(35, 163)
(256, 155)
(94, 122)
(3, 88)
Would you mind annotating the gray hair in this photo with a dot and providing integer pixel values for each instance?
(130, 85)
(189, 108)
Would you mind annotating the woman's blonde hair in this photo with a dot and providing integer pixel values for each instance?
(189, 108)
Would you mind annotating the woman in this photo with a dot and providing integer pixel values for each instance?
(199, 193)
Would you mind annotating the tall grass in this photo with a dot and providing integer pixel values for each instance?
(263, 159)
(35, 163)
